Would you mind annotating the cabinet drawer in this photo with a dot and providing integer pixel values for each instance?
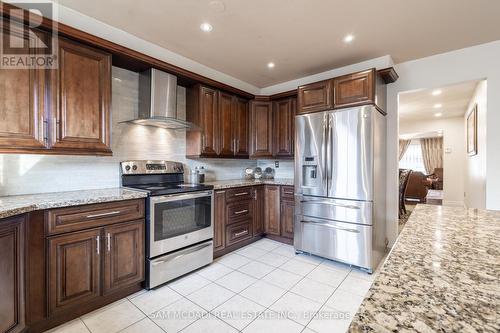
(237, 211)
(238, 232)
(287, 193)
(89, 216)
(239, 193)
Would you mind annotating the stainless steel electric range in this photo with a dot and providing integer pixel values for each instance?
(179, 219)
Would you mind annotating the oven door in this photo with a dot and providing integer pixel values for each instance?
(179, 220)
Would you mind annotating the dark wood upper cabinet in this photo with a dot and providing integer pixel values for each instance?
(74, 269)
(315, 97)
(223, 120)
(81, 122)
(241, 117)
(201, 110)
(284, 127)
(226, 122)
(22, 100)
(354, 89)
(12, 274)
(124, 255)
(219, 220)
(261, 129)
(272, 210)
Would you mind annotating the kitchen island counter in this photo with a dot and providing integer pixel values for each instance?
(442, 275)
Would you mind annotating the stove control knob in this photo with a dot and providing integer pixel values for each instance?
(127, 168)
(134, 167)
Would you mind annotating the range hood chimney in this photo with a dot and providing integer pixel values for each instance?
(158, 101)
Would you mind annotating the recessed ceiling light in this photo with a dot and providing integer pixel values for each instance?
(349, 38)
(206, 27)
(270, 65)
(437, 106)
(436, 92)
(439, 114)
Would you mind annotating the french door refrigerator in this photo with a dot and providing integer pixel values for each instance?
(340, 165)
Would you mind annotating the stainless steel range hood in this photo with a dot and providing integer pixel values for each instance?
(158, 101)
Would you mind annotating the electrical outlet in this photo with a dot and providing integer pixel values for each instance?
(276, 164)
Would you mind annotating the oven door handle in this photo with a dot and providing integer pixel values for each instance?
(184, 253)
(177, 197)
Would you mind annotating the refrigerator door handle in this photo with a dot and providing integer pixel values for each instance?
(329, 155)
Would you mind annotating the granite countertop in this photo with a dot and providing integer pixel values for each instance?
(442, 275)
(19, 204)
(222, 184)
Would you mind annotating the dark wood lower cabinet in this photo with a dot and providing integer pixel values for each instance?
(219, 220)
(124, 255)
(272, 210)
(74, 269)
(259, 216)
(12, 302)
(287, 216)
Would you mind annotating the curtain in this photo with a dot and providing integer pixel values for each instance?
(432, 153)
(403, 147)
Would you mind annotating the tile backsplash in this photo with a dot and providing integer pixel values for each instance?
(25, 173)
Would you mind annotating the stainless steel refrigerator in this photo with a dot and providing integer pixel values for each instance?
(340, 165)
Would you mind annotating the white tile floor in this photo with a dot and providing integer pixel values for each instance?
(263, 287)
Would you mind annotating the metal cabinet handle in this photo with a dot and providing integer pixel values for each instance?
(98, 244)
(238, 234)
(103, 214)
(240, 194)
(331, 226)
(108, 239)
(45, 130)
(241, 212)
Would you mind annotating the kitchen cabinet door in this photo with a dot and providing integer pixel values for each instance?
(81, 123)
(74, 269)
(22, 100)
(284, 129)
(287, 218)
(12, 275)
(124, 255)
(272, 210)
(241, 127)
(219, 220)
(259, 211)
(354, 89)
(315, 97)
(226, 122)
(209, 122)
(261, 132)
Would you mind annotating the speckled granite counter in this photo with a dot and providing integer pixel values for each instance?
(222, 184)
(19, 204)
(443, 275)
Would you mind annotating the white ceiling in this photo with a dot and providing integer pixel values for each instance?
(419, 105)
(301, 37)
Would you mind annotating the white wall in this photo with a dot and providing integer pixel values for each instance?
(454, 142)
(473, 63)
(475, 177)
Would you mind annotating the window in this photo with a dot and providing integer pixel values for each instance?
(412, 158)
